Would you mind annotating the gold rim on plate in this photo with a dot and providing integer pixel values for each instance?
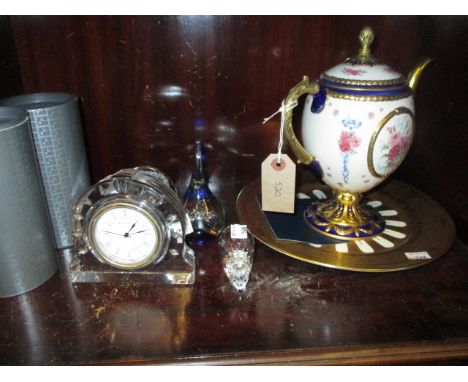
(418, 231)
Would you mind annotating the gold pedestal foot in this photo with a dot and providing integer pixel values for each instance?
(343, 218)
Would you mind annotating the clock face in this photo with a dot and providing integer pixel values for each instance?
(125, 236)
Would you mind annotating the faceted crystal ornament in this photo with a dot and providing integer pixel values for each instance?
(204, 210)
(237, 255)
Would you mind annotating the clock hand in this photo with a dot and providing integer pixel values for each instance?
(140, 231)
(127, 234)
(113, 233)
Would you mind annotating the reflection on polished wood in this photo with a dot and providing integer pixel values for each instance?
(149, 86)
(291, 312)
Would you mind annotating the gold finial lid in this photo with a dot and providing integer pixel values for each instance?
(363, 68)
(366, 37)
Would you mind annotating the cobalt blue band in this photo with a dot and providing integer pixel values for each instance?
(365, 90)
(329, 83)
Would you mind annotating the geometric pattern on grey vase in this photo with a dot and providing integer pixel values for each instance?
(27, 254)
(62, 160)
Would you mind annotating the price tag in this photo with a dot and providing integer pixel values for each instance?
(238, 231)
(278, 184)
(417, 255)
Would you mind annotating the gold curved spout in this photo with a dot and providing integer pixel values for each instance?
(413, 76)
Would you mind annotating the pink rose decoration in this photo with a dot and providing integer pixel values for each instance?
(395, 139)
(353, 72)
(394, 152)
(398, 144)
(348, 142)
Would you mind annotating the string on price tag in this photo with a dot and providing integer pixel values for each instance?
(283, 109)
(279, 173)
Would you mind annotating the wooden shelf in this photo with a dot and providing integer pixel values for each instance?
(291, 313)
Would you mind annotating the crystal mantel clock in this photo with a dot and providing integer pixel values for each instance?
(131, 226)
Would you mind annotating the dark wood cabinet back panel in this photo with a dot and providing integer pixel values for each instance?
(10, 77)
(151, 85)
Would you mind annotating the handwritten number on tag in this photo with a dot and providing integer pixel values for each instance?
(278, 188)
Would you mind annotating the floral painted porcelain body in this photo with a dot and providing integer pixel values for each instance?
(345, 134)
(357, 127)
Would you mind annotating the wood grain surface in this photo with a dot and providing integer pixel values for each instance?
(149, 86)
(291, 312)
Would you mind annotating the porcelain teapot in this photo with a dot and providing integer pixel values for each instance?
(357, 127)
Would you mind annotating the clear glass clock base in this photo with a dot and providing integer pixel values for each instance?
(174, 268)
(130, 227)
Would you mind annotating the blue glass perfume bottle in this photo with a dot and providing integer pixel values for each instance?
(204, 210)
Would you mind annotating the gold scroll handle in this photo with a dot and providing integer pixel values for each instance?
(305, 86)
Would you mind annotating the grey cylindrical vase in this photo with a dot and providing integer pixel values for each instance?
(27, 253)
(60, 149)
